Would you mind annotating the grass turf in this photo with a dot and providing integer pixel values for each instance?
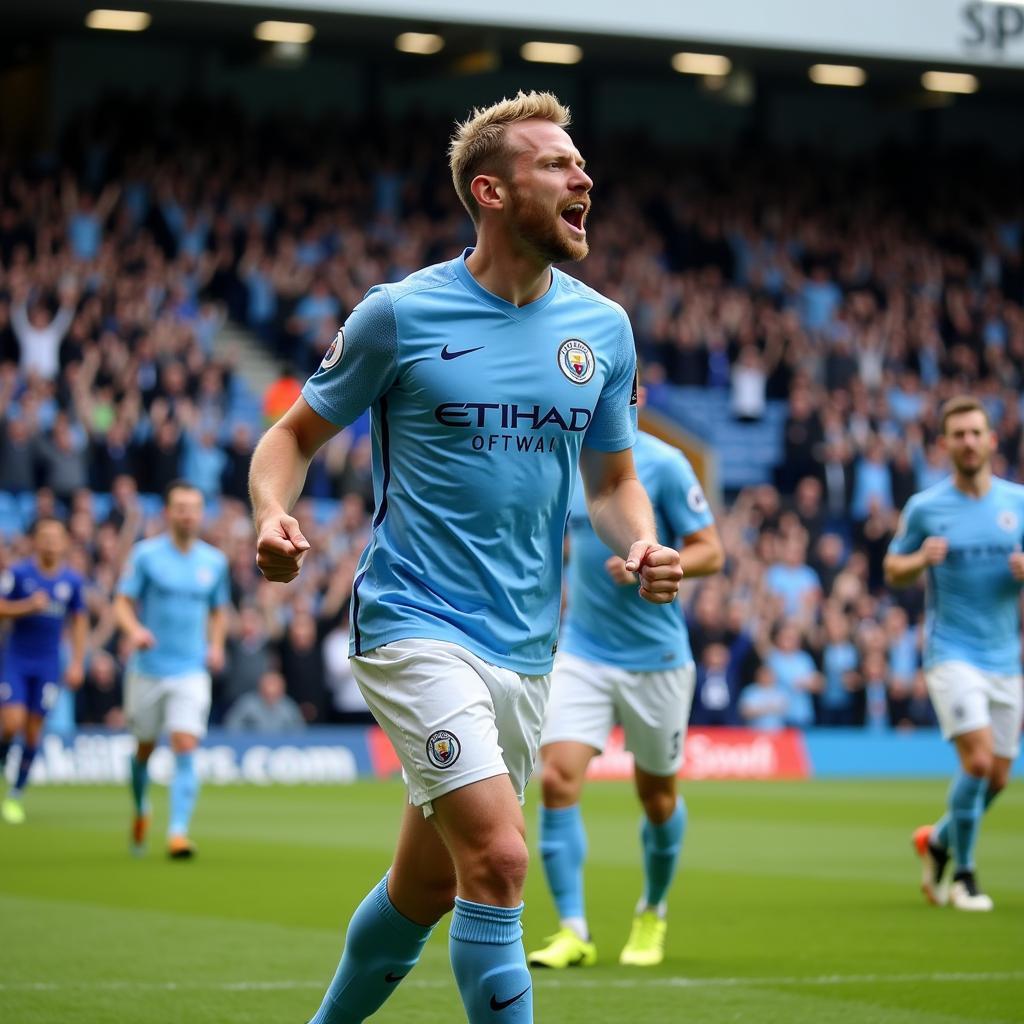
(796, 903)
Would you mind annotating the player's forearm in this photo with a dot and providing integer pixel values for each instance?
(703, 557)
(622, 515)
(277, 473)
(79, 638)
(903, 570)
(124, 614)
(17, 609)
(217, 630)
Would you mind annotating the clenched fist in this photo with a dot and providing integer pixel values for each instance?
(659, 571)
(280, 548)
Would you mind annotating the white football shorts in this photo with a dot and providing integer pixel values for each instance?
(452, 717)
(588, 699)
(154, 705)
(967, 698)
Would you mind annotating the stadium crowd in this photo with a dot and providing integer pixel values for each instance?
(861, 292)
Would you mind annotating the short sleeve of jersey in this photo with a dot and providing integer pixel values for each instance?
(133, 580)
(681, 498)
(613, 427)
(76, 603)
(221, 594)
(910, 533)
(360, 364)
(11, 588)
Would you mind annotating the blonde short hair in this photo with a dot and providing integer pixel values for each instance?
(479, 141)
(961, 404)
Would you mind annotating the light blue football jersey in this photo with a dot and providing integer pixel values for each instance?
(973, 611)
(174, 591)
(479, 409)
(612, 624)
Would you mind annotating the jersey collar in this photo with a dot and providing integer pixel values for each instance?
(503, 305)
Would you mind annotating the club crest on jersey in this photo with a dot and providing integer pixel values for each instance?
(334, 351)
(62, 591)
(443, 748)
(1007, 520)
(576, 361)
(204, 575)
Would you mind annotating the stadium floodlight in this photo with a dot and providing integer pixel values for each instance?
(708, 64)
(837, 74)
(419, 42)
(118, 21)
(284, 32)
(551, 53)
(949, 81)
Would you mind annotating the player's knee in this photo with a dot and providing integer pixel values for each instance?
(659, 805)
(183, 743)
(979, 764)
(559, 786)
(500, 865)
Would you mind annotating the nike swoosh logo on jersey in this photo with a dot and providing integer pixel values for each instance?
(495, 1005)
(392, 978)
(445, 354)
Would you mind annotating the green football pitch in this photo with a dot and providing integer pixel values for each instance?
(797, 902)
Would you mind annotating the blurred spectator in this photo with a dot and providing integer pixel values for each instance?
(795, 674)
(765, 705)
(99, 701)
(749, 386)
(793, 580)
(38, 332)
(716, 694)
(267, 710)
(841, 699)
(248, 655)
(281, 395)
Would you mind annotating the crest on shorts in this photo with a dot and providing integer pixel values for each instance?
(576, 361)
(1007, 520)
(443, 748)
(334, 351)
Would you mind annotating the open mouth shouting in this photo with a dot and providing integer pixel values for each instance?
(574, 215)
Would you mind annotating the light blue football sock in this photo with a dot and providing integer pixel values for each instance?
(140, 785)
(28, 755)
(662, 844)
(381, 947)
(184, 790)
(940, 830)
(966, 796)
(489, 963)
(563, 848)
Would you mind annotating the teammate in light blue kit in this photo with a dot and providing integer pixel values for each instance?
(39, 595)
(966, 533)
(622, 661)
(490, 378)
(172, 603)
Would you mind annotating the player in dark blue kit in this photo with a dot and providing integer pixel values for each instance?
(38, 595)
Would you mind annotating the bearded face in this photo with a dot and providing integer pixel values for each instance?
(553, 228)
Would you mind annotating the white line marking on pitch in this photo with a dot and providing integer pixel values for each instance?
(554, 980)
